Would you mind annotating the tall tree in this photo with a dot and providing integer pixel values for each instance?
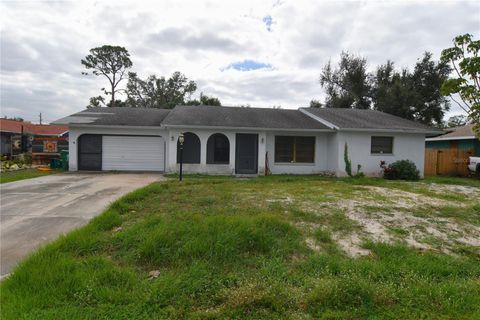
(96, 102)
(315, 104)
(159, 92)
(465, 60)
(348, 85)
(457, 121)
(110, 61)
(414, 96)
(118, 103)
(427, 78)
(204, 101)
(393, 91)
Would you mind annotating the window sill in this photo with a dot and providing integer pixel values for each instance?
(382, 154)
(294, 163)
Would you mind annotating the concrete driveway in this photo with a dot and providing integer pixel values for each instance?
(38, 210)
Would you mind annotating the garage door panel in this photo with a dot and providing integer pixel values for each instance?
(133, 153)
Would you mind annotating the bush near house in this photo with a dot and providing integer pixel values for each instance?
(400, 170)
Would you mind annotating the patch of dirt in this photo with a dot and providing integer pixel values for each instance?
(286, 200)
(351, 244)
(307, 226)
(471, 241)
(472, 192)
(385, 215)
(405, 199)
(312, 244)
(445, 231)
(381, 211)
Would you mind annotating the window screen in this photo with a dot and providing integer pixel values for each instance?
(218, 149)
(191, 148)
(294, 149)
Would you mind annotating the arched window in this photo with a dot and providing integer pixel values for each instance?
(218, 149)
(191, 148)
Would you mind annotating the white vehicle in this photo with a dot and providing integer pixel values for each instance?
(474, 165)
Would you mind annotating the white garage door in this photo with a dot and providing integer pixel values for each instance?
(133, 153)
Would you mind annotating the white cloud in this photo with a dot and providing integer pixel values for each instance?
(42, 44)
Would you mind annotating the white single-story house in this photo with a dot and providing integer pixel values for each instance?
(237, 140)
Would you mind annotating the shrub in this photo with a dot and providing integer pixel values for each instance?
(348, 165)
(348, 162)
(402, 169)
(24, 158)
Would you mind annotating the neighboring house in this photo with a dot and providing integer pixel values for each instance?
(448, 154)
(235, 140)
(461, 138)
(43, 141)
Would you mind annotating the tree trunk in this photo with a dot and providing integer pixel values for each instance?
(112, 104)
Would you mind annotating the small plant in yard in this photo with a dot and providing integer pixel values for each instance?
(348, 162)
(402, 170)
(348, 165)
(359, 173)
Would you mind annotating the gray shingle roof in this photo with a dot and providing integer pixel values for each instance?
(117, 116)
(368, 119)
(238, 117)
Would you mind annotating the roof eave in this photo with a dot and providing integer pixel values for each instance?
(391, 130)
(6, 131)
(441, 138)
(115, 126)
(167, 126)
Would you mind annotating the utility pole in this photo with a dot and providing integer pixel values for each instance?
(22, 144)
(40, 118)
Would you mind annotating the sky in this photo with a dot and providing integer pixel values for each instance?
(260, 53)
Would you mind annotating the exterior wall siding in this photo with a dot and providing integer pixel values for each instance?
(405, 147)
(203, 167)
(329, 148)
(320, 164)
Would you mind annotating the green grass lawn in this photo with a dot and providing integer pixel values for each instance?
(278, 247)
(11, 176)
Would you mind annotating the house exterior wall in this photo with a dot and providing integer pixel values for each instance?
(320, 164)
(203, 167)
(406, 146)
(332, 152)
(77, 131)
(329, 149)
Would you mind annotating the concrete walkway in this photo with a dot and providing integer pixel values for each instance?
(35, 211)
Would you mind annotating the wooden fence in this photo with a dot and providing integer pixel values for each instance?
(449, 162)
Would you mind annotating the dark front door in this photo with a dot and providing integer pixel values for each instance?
(246, 160)
(90, 152)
